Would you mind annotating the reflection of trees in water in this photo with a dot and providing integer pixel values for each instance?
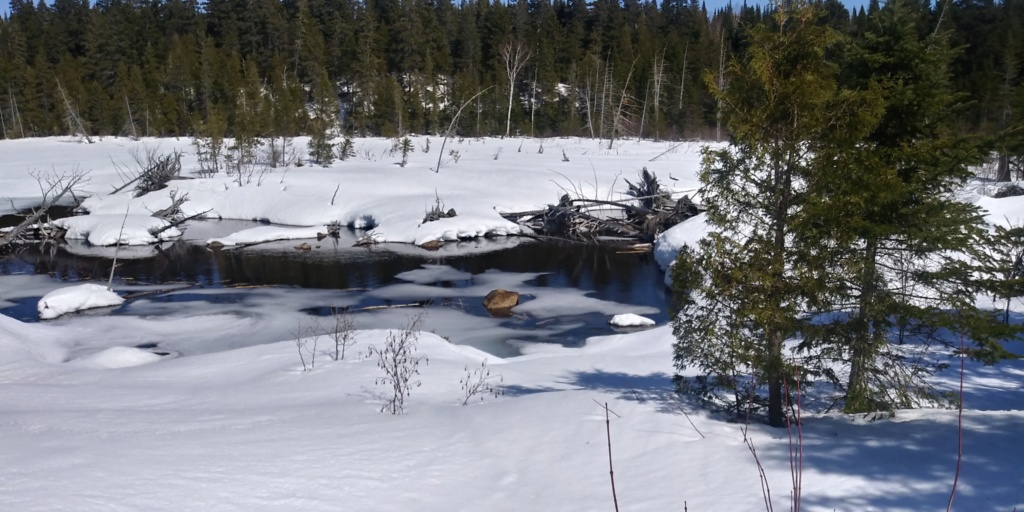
(628, 278)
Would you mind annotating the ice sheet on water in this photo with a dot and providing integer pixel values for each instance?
(14, 287)
(555, 302)
(430, 274)
(269, 233)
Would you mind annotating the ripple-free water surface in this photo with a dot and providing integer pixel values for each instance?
(365, 276)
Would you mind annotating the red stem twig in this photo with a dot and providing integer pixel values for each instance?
(608, 431)
(959, 426)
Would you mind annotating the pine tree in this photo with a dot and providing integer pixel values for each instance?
(897, 241)
(742, 297)
(323, 119)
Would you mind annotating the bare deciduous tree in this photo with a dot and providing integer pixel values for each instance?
(658, 83)
(53, 188)
(72, 118)
(515, 54)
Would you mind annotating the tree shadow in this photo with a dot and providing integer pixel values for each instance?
(905, 463)
(654, 387)
(908, 465)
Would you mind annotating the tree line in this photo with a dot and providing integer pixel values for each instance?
(267, 68)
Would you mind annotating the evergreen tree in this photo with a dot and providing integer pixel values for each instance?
(323, 119)
(898, 241)
(742, 297)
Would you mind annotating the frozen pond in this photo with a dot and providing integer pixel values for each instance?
(270, 291)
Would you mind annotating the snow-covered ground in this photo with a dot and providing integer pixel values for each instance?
(220, 415)
(488, 176)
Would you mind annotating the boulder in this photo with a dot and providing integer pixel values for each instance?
(303, 247)
(432, 245)
(500, 302)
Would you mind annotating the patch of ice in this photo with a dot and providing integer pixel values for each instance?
(269, 234)
(430, 274)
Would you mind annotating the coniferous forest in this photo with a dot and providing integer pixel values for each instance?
(269, 68)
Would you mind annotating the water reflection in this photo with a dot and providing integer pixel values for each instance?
(335, 264)
(601, 272)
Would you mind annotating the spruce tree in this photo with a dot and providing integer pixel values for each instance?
(323, 119)
(898, 242)
(741, 296)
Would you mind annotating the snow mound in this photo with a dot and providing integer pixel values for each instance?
(668, 244)
(106, 229)
(120, 357)
(20, 341)
(631, 320)
(76, 298)
(268, 234)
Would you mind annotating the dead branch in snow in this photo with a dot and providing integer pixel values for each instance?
(53, 188)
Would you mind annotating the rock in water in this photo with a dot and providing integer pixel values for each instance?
(500, 302)
(432, 245)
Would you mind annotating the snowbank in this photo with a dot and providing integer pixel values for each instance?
(631, 320)
(106, 229)
(268, 234)
(668, 244)
(119, 357)
(76, 298)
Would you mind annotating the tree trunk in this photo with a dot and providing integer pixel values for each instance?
(508, 117)
(1003, 172)
(858, 391)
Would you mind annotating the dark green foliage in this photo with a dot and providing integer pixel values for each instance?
(405, 66)
(323, 120)
(782, 103)
(835, 221)
(347, 148)
(405, 147)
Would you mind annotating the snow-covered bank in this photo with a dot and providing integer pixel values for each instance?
(110, 229)
(488, 176)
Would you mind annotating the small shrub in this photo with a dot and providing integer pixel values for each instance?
(480, 383)
(405, 147)
(398, 360)
(343, 333)
(346, 149)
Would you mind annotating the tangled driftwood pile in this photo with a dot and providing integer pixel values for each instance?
(647, 211)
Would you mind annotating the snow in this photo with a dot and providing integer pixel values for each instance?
(685, 234)
(630, 320)
(106, 230)
(71, 299)
(248, 429)
(369, 191)
(119, 357)
(268, 234)
(93, 420)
